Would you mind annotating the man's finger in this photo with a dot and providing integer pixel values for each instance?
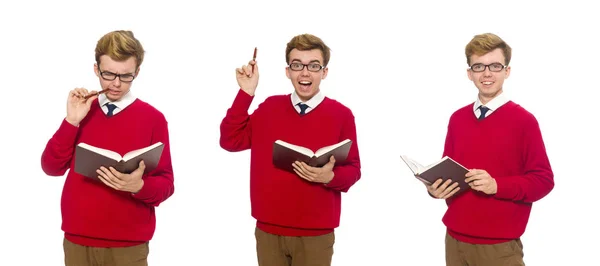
(116, 181)
(302, 175)
(452, 193)
(472, 178)
(106, 182)
(309, 169)
(296, 166)
(436, 184)
(115, 172)
(451, 187)
(303, 172)
(444, 185)
(332, 160)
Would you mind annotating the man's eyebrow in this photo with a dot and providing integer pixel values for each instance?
(313, 61)
(488, 64)
(127, 73)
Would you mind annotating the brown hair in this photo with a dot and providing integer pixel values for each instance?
(305, 42)
(120, 45)
(484, 43)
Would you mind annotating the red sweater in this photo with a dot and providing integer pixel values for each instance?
(282, 202)
(94, 214)
(507, 144)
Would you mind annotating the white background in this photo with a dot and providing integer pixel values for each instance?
(401, 69)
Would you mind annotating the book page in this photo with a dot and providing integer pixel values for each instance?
(414, 166)
(329, 148)
(297, 148)
(434, 164)
(107, 153)
(134, 153)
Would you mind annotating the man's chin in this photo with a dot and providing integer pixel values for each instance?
(113, 98)
(305, 95)
(489, 94)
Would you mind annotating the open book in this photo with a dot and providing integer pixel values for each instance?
(89, 158)
(446, 168)
(285, 154)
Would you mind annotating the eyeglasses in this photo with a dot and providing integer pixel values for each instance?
(493, 67)
(312, 67)
(112, 76)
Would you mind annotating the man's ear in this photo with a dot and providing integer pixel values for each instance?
(96, 70)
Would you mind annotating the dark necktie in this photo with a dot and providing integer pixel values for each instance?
(303, 108)
(483, 110)
(111, 107)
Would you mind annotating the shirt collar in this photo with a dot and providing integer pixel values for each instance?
(494, 104)
(126, 100)
(312, 103)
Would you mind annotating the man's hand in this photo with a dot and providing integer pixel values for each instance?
(480, 180)
(123, 182)
(247, 77)
(441, 190)
(315, 174)
(78, 106)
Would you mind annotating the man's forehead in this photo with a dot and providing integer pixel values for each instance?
(487, 58)
(127, 66)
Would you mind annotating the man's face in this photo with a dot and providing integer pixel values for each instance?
(119, 85)
(307, 79)
(489, 81)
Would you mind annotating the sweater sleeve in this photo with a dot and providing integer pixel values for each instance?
(56, 157)
(159, 183)
(349, 173)
(538, 179)
(236, 127)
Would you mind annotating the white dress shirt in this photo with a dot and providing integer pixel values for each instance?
(125, 101)
(493, 105)
(312, 103)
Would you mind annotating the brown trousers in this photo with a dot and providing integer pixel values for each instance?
(77, 255)
(464, 254)
(274, 250)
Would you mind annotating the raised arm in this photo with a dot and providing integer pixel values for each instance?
(236, 127)
(57, 155)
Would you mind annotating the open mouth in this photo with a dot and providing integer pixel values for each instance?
(305, 85)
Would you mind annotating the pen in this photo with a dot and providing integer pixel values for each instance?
(254, 58)
(95, 93)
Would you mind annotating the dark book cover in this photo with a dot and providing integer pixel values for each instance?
(447, 169)
(444, 169)
(88, 159)
(285, 154)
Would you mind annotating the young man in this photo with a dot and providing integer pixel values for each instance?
(111, 221)
(296, 212)
(501, 143)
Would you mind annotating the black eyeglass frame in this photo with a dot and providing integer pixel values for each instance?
(115, 76)
(321, 67)
(488, 66)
